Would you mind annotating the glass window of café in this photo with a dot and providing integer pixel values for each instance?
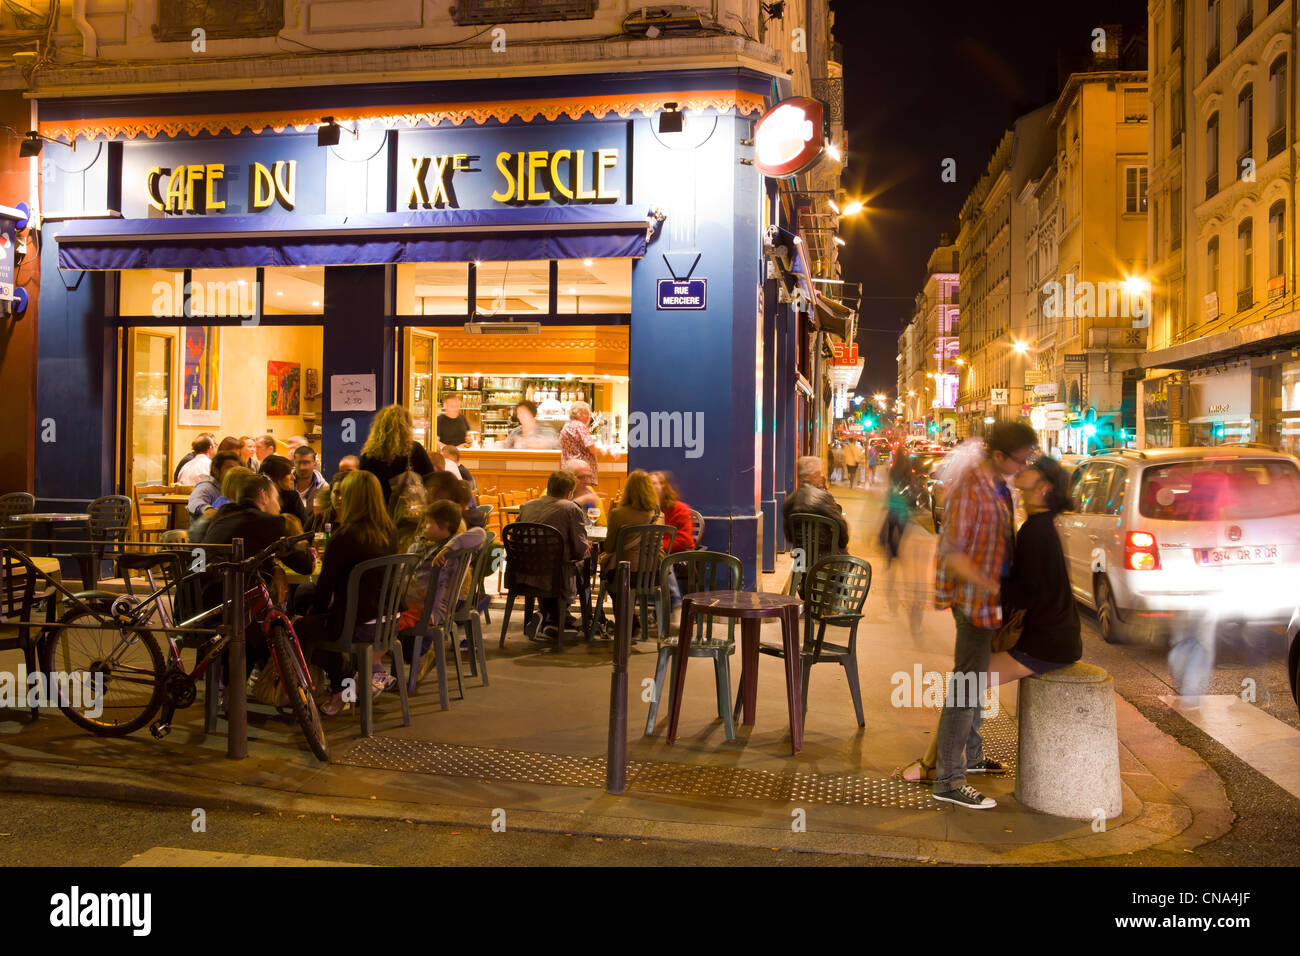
(567, 360)
(230, 352)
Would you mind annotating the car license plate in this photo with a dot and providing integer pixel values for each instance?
(1259, 554)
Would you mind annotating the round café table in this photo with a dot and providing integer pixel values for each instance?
(750, 608)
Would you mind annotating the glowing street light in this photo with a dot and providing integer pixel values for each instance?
(835, 207)
(1020, 347)
(853, 208)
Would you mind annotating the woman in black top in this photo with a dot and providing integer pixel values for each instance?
(280, 470)
(1039, 583)
(391, 448)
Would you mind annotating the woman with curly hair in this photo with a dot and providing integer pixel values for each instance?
(391, 447)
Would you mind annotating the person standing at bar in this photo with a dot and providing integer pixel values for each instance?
(452, 427)
(576, 440)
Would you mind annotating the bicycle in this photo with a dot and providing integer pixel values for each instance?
(133, 667)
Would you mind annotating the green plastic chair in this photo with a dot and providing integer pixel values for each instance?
(818, 536)
(699, 571)
(468, 615)
(835, 591)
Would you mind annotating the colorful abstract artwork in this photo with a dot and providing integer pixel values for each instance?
(200, 375)
(283, 388)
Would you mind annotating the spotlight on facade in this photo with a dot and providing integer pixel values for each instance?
(327, 133)
(670, 120)
(30, 146)
(835, 207)
(833, 151)
(839, 241)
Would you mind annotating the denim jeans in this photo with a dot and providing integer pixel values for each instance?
(960, 743)
(674, 592)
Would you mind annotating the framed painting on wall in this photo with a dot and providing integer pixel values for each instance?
(200, 360)
(283, 388)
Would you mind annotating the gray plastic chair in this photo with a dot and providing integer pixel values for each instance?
(647, 587)
(391, 575)
(697, 529)
(817, 536)
(468, 616)
(437, 623)
(109, 525)
(15, 503)
(700, 571)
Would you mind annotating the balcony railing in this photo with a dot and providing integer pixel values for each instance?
(1245, 299)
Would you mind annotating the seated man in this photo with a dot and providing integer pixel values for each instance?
(811, 497)
(584, 482)
(556, 509)
(208, 488)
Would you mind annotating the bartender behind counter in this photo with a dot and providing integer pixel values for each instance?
(452, 427)
(530, 434)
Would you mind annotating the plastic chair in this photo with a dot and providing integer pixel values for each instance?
(437, 621)
(535, 568)
(23, 588)
(835, 591)
(468, 614)
(110, 520)
(393, 573)
(653, 542)
(817, 536)
(697, 529)
(14, 503)
(699, 571)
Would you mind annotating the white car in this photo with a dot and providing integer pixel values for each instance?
(1151, 535)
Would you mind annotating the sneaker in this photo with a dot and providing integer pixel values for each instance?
(532, 626)
(992, 767)
(967, 797)
(380, 683)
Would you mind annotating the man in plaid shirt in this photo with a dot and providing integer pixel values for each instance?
(974, 554)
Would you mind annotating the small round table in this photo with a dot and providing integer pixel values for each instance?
(750, 608)
(50, 519)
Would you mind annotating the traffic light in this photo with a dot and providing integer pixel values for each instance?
(1219, 430)
(1090, 422)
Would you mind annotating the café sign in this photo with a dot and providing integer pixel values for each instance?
(788, 138)
(192, 187)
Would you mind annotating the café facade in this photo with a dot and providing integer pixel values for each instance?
(215, 262)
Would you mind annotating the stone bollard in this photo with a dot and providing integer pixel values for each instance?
(1068, 763)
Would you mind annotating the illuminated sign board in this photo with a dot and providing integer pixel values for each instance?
(685, 295)
(788, 138)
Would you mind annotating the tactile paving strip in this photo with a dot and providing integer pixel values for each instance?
(650, 776)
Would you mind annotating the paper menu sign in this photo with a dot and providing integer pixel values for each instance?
(352, 393)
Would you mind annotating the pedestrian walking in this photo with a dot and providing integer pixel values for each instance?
(873, 460)
(852, 461)
(837, 462)
(974, 554)
(1038, 587)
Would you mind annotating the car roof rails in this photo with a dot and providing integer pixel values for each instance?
(1250, 444)
(1132, 451)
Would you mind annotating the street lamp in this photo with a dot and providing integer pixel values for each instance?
(853, 208)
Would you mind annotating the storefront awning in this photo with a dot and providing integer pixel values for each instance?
(443, 235)
(833, 315)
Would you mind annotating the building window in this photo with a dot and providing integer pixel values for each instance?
(433, 288)
(1245, 124)
(1277, 106)
(1211, 35)
(588, 286)
(1245, 264)
(1176, 115)
(1277, 239)
(1176, 25)
(1175, 218)
(1135, 189)
(1212, 268)
(1156, 226)
(1212, 155)
(1245, 22)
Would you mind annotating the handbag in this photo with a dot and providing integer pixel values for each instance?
(269, 690)
(407, 496)
(1006, 636)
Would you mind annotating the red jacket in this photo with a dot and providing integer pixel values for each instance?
(679, 516)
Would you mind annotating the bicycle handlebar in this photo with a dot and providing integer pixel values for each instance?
(253, 562)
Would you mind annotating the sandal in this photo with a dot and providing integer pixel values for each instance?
(918, 771)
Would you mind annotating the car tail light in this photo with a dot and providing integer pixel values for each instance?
(1140, 552)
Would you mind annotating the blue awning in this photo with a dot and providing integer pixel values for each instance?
(442, 235)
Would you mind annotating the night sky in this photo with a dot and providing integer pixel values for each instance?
(926, 81)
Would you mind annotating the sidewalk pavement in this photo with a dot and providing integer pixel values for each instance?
(528, 750)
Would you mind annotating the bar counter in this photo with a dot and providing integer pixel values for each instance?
(510, 469)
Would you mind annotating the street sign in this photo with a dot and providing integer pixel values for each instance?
(845, 353)
(1046, 390)
(1076, 362)
(689, 295)
(1034, 377)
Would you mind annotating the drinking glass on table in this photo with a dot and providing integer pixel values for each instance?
(593, 515)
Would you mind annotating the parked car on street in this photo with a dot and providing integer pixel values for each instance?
(1153, 535)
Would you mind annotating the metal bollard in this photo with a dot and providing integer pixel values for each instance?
(616, 752)
(237, 669)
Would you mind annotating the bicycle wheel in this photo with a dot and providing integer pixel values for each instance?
(126, 669)
(298, 686)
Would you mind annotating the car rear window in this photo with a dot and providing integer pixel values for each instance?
(1235, 489)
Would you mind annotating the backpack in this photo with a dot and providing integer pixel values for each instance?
(407, 497)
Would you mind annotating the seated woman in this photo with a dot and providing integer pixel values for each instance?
(530, 433)
(365, 532)
(639, 505)
(1039, 585)
(678, 514)
(325, 509)
(280, 470)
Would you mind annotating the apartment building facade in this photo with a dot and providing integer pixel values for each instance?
(1224, 358)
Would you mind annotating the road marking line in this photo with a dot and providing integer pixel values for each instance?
(1266, 743)
(175, 856)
